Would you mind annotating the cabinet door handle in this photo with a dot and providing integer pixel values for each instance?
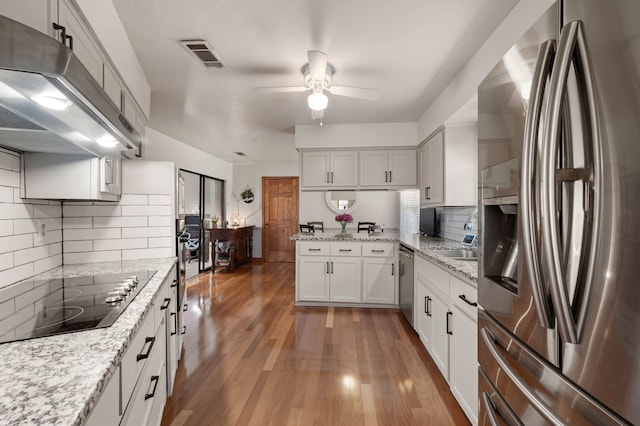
(331, 177)
(332, 267)
(63, 32)
(175, 323)
(386, 176)
(449, 314)
(70, 38)
(345, 250)
(390, 176)
(427, 310)
(465, 300)
(327, 267)
(184, 330)
(377, 251)
(155, 379)
(393, 269)
(174, 283)
(165, 304)
(327, 177)
(185, 307)
(151, 340)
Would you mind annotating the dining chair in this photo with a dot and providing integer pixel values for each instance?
(317, 226)
(364, 226)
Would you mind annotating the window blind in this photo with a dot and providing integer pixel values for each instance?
(410, 211)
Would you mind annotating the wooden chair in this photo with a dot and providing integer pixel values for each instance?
(364, 226)
(306, 229)
(317, 226)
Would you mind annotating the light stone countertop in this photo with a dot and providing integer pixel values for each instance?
(58, 379)
(422, 246)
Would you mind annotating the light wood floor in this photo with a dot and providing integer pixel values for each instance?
(251, 357)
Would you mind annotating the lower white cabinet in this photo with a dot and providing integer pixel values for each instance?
(446, 313)
(346, 272)
(107, 410)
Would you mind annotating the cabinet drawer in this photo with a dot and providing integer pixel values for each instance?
(460, 290)
(137, 355)
(313, 248)
(162, 301)
(437, 277)
(378, 249)
(345, 249)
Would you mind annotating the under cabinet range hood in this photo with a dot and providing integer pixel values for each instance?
(50, 103)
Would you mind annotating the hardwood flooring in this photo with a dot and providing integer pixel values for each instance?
(251, 357)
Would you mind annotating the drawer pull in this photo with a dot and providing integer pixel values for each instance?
(393, 269)
(155, 379)
(465, 300)
(175, 324)
(427, 311)
(449, 314)
(377, 251)
(151, 340)
(165, 304)
(346, 250)
(184, 329)
(185, 307)
(315, 249)
(174, 283)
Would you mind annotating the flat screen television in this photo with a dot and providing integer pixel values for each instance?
(429, 222)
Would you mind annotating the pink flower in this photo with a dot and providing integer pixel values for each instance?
(346, 217)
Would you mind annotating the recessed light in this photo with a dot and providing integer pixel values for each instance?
(107, 141)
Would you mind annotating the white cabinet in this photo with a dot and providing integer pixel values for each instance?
(344, 279)
(71, 177)
(38, 14)
(384, 168)
(107, 409)
(380, 279)
(313, 279)
(448, 171)
(446, 312)
(329, 169)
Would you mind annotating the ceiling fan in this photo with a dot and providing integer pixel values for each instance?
(318, 74)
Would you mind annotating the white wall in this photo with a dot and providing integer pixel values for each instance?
(381, 207)
(356, 135)
(23, 250)
(465, 84)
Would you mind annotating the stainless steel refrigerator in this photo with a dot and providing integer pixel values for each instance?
(559, 153)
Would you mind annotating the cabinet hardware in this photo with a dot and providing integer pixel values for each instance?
(377, 251)
(426, 192)
(428, 311)
(174, 283)
(449, 314)
(425, 305)
(165, 304)
(315, 249)
(185, 307)
(332, 267)
(155, 379)
(386, 176)
(390, 176)
(63, 31)
(328, 178)
(331, 177)
(184, 330)
(465, 300)
(393, 268)
(346, 250)
(151, 340)
(327, 267)
(70, 38)
(175, 323)
(428, 195)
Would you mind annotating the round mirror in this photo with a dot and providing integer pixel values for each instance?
(342, 201)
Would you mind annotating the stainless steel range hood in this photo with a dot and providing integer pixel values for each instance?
(50, 103)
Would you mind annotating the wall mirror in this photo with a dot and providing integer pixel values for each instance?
(342, 201)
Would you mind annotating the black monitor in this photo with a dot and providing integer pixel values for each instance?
(429, 222)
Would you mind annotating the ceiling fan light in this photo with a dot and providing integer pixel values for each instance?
(318, 101)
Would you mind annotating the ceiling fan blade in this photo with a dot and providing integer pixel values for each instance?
(317, 64)
(282, 89)
(355, 92)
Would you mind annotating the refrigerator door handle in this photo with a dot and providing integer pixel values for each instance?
(489, 409)
(526, 390)
(571, 50)
(530, 176)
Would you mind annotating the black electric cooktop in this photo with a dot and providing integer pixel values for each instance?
(38, 308)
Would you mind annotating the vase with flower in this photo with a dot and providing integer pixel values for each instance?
(343, 219)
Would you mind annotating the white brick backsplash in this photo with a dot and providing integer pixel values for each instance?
(9, 178)
(83, 211)
(15, 242)
(55, 223)
(21, 257)
(76, 222)
(24, 226)
(49, 238)
(47, 211)
(161, 242)
(120, 222)
(92, 234)
(159, 200)
(47, 263)
(6, 160)
(16, 274)
(77, 246)
(156, 231)
(6, 261)
(93, 256)
(134, 200)
(147, 253)
(159, 221)
(146, 210)
(7, 308)
(55, 248)
(127, 243)
(6, 227)
(6, 194)
(16, 211)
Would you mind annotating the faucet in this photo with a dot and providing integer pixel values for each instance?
(468, 225)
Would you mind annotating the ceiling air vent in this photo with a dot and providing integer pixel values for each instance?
(203, 51)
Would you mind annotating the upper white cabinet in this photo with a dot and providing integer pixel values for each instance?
(38, 14)
(384, 168)
(321, 169)
(448, 172)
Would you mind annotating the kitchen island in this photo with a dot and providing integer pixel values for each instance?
(59, 379)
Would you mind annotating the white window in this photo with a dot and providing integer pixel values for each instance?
(410, 211)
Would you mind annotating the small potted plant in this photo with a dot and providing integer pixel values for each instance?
(247, 195)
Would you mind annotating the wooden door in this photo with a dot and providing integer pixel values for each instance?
(279, 218)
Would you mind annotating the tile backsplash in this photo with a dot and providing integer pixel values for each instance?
(30, 230)
(453, 219)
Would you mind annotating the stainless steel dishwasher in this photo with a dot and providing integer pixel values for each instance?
(406, 282)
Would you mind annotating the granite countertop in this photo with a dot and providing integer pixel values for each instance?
(58, 379)
(423, 246)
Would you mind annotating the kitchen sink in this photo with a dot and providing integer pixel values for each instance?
(459, 254)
